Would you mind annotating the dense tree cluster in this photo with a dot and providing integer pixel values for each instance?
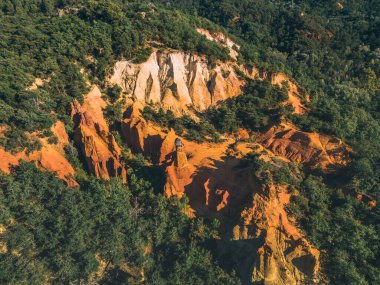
(184, 126)
(58, 234)
(347, 228)
(53, 40)
(259, 105)
(332, 48)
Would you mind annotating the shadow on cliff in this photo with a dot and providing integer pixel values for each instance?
(154, 174)
(224, 189)
(207, 196)
(240, 256)
(221, 188)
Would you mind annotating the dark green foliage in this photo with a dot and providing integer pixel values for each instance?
(343, 227)
(113, 93)
(180, 33)
(260, 104)
(113, 112)
(71, 154)
(56, 232)
(184, 126)
(277, 172)
(332, 52)
(36, 42)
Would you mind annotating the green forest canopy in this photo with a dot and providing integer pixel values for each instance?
(58, 234)
(331, 48)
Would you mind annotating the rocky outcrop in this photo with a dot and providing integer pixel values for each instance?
(176, 80)
(311, 149)
(38, 82)
(91, 134)
(178, 171)
(222, 40)
(51, 156)
(257, 237)
(142, 136)
(180, 159)
(280, 254)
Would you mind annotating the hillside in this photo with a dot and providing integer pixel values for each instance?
(189, 142)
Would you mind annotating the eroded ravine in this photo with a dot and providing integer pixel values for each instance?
(258, 239)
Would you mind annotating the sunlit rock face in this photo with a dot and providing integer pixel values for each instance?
(51, 157)
(176, 80)
(91, 134)
(183, 82)
(257, 236)
(312, 149)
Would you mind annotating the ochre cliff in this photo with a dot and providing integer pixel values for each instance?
(91, 134)
(176, 80)
(311, 149)
(51, 157)
(141, 136)
(280, 252)
(257, 236)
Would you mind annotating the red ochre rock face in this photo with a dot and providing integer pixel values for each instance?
(51, 157)
(218, 187)
(265, 243)
(311, 149)
(91, 134)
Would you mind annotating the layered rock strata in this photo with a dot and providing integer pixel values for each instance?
(181, 82)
